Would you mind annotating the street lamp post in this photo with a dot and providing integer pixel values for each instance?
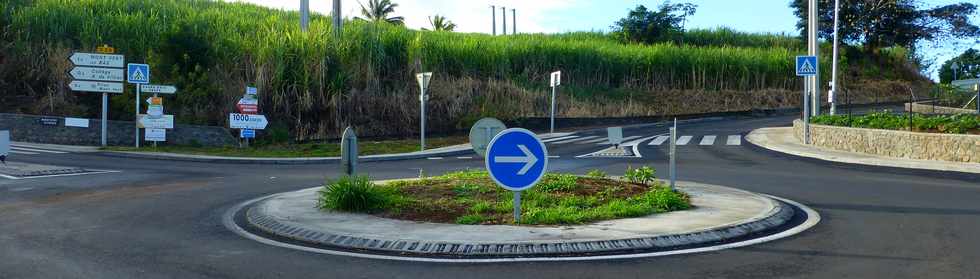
(955, 67)
(813, 47)
(833, 72)
(304, 14)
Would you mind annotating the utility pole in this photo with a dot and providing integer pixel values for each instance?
(503, 12)
(955, 67)
(338, 20)
(833, 72)
(813, 48)
(513, 17)
(304, 14)
(493, 10)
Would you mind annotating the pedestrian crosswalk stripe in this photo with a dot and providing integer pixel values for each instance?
(559, 138)
(734, 140)
(659, 140)
(707, 140)
(23, 152)
(36, 150)
(638, 142)
(575, 139)
(624, 139)
(683, 140)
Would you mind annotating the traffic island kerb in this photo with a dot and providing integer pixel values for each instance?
(720, 214)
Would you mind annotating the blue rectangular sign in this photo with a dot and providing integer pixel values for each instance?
(138, 73)
(247, 134)
(806, 66)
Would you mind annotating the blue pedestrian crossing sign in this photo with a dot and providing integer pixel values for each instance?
(516, 159)
(806, 66)
(247, 134)
(138, 73)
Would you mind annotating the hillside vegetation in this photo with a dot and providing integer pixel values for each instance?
(314, 86)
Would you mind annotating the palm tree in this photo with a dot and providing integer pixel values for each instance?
(440, 23)
(378, 11)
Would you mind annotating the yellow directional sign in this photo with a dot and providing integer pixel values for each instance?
(155, 101)
(105, 49)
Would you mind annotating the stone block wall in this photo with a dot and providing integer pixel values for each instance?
(926, 107)
(51, 129)
(899, 144)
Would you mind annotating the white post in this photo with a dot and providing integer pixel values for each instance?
(422, 129)
(673, 156)
(138, 87)
(304, 14)
(833, 72)
(814, 50)
(503, 12)
(553, 93)
(338, 20)
(513, 17)
(105, 118)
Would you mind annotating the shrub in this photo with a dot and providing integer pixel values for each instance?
(642, 175)
(354, 194)
(597, 174)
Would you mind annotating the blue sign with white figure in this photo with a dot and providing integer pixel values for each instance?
(516, 159)
(806, 66)
(138, 73)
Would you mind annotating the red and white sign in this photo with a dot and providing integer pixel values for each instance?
(248, 106)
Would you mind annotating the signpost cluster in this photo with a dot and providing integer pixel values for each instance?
(154, 120)
(247, 119)
(807, 67)
(98, 73)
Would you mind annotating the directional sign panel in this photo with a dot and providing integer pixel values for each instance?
(516, 159)
(155, 135)
(150, 122)
(158, 89)
(806, 66)
(98, 60)
(138, 73)
(555, 78)
(248, 106)
(100, 74)
(247, 121)
(96, 86)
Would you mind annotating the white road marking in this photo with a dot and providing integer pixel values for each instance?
(59, 175)
(574, 140)
(659, 140)
(593, 141)
(707, 140)
(559, 138)
(683, 140)
(36, 150)
(638, 142)
(464, 157)
(555, 135)
(435, 158)
(734, 140)
(23, 152)
(624, 139)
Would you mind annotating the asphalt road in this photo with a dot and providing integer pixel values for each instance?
(162, 219)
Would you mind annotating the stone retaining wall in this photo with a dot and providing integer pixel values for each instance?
(51, 129)
(899, 144)
(926, 107)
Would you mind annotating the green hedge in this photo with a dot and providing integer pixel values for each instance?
(954, 124)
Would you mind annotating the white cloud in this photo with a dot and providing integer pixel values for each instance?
(469, 16)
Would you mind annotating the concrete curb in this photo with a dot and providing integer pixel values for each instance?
(769, 139)
(281, 161)
(255, 218)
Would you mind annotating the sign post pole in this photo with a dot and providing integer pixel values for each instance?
(105, 118)
(673, 155)
(423, 80)
(517, 207)
(137, 115)
(555, 82)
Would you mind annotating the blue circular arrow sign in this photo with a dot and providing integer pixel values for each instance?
(516, 159)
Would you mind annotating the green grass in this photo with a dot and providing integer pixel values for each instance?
(470, 197)
(300, 150)
(950, 124)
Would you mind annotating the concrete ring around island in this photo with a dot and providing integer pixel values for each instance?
(722, 218)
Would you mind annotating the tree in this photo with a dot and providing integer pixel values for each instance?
(646, 26)
(440, 23)
(885, 23)
(969, 66)
(378, 11)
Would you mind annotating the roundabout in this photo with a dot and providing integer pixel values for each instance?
(721, 218)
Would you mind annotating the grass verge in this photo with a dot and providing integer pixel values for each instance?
(300, 150)
(471, 197)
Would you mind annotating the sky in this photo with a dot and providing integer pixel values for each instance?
(553, 16)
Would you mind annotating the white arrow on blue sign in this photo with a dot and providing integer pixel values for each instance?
(138, 73)
(516, 159)
(806, 65)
